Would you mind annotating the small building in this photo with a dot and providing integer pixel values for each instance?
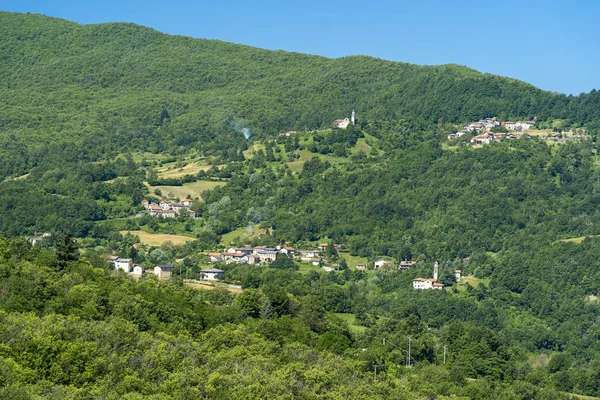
(137, 270)
(315, 261)
(405, 265)
(381, 263)
(361, 266)
(457, 274)
(323, 246)
(287, 250)
(212, 274)
(341, 123)
(214, 257)
(306, 255)
(163, 271)
(123, 264)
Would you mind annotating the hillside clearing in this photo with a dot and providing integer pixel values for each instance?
(243, 233)
(157, 239)
(193, 189)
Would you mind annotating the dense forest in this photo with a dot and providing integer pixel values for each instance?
(97, 118)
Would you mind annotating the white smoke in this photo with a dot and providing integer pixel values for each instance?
(245, 131)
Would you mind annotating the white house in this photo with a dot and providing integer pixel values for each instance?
(123, 264)
(341, 123)
(381, 263)
(163, 271)
(212, 274)
(306, 255)
(137, 270)
(267, 254)
(214, 257)
(315, 261)
(457, 274)
(361, 266)
(405, 265)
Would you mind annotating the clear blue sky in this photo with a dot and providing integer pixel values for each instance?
(554, 45)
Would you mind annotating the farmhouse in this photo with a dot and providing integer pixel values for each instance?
(163, 271)
(382, 263)
(212, 274)
(123, 264)
(405, 265)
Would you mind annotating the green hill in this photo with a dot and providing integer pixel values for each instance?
(112, 86)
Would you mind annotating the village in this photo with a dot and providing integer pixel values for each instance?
(263, 255)
(489, 130)
(168, 209)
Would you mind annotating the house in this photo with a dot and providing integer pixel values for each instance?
(405, 265)
(524, 125)
(236, 257)
(428, 283)
(288, 133)
(382, 263)
(511, 126)
(341, 123)
(145, 204)
(214, 257)
(165, 204)
(306, 255)
(457, 274)
(212, 274)
(323, 246)
(287, 250)
(111, 261)
(361, 266)
(123, 264)
(315, 261)
(267, 254)
(253, 259)
(482, 139)
(137, 270)
(187, 202)
(34, 240)
(163, 271)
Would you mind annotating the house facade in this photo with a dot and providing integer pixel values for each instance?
(212, 274)
(163, 271)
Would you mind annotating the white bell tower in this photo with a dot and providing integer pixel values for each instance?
(435, 271)
(353, 117)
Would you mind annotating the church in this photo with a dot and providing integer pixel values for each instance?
(428, 283)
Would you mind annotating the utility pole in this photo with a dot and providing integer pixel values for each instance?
(408, 358)
(445, 354)
(186, 273)
(375, 366)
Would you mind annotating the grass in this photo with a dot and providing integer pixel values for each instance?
(172, 171)
(353, 261)
(577, 239)
(242, 233)
(306, 267)
(350, 319)
(462, 285)
(192, 189)
(305, 155)
(156, 239)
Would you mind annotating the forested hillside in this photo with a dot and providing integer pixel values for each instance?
(98, 118)
(83, 91)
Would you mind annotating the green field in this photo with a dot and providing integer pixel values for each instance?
(192, 189)
(157, 239)
(242, 233)
(350, 319)
(171, 170)
(353, 261)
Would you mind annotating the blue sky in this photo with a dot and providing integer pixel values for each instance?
(551, 44)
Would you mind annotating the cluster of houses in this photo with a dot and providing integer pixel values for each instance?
(168, 209)
(251, 255)
(162, 271)
(484, 128)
